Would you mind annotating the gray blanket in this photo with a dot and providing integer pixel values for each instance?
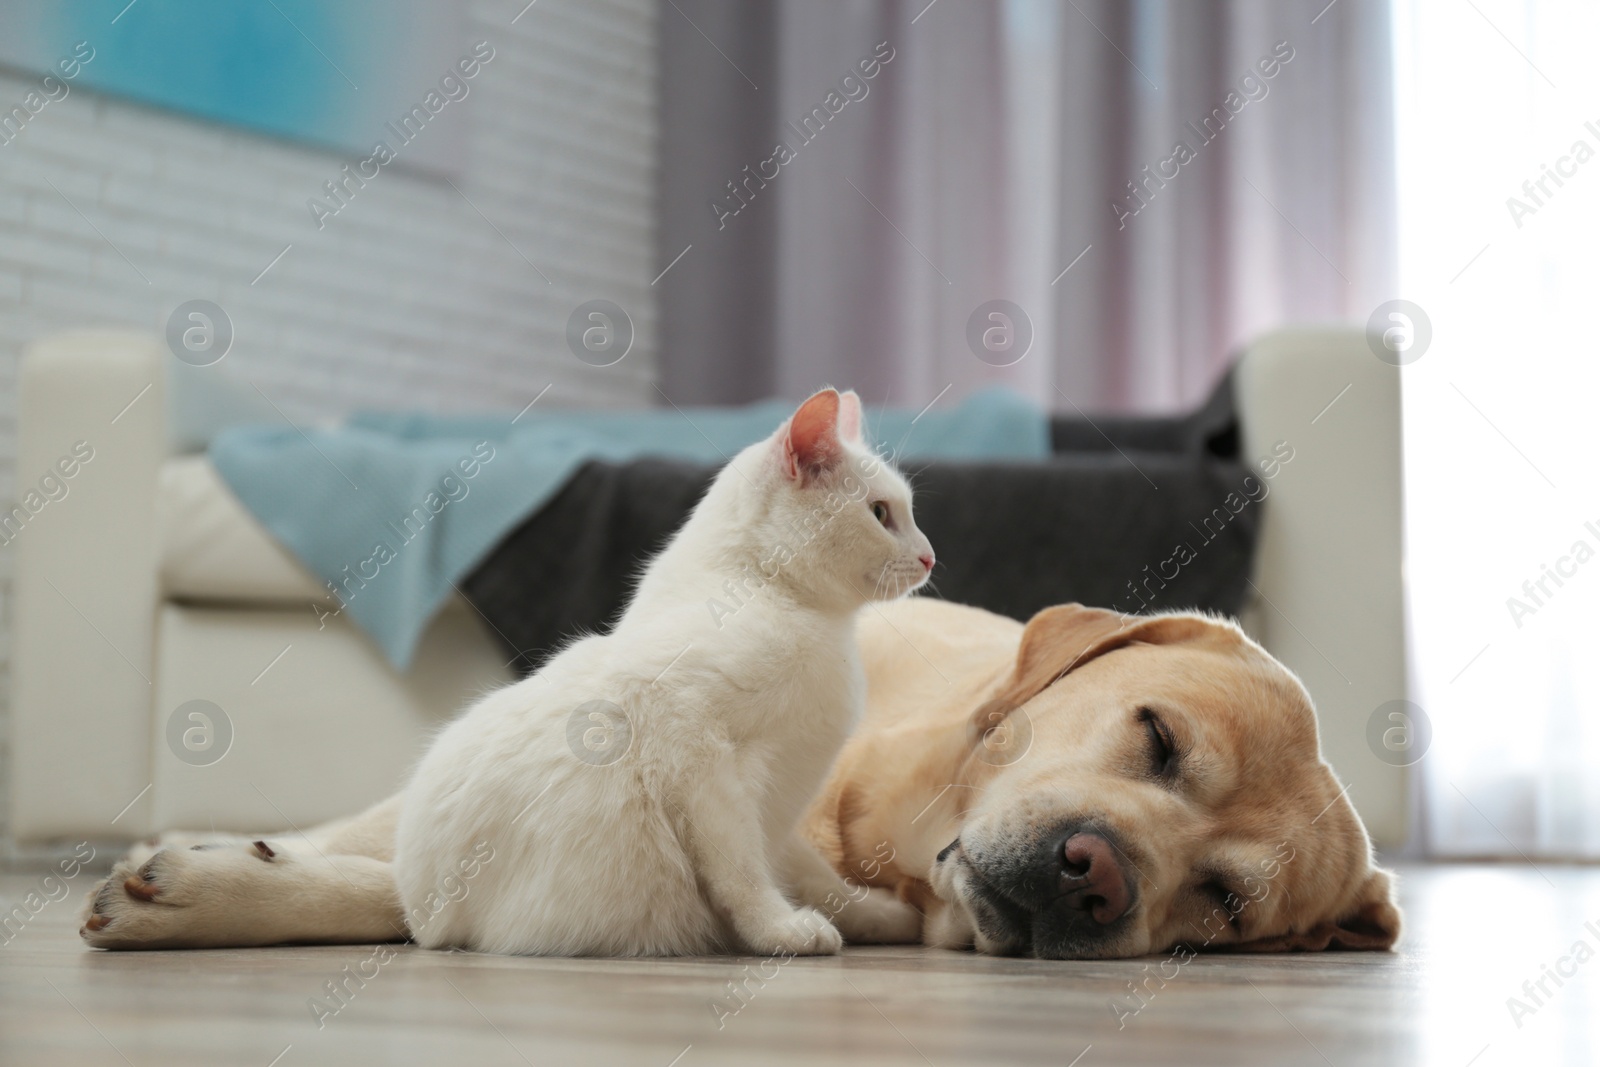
(1136, 514)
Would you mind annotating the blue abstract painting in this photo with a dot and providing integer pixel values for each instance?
(329, 73)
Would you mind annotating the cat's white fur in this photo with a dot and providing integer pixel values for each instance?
(640, 794)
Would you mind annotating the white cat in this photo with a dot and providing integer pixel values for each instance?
(640, 794)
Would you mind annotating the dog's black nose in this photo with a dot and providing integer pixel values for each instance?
(1093, 878)
(1064, 895)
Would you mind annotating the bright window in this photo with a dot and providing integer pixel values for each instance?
(1499, 161)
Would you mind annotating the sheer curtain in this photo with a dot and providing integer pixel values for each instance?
(1499, 162)
(1016, 150)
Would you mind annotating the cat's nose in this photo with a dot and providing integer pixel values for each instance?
(926, 559)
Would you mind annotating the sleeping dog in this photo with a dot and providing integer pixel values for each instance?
(1096, 785)
(1089, 785)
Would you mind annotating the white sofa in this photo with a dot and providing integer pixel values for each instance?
(147, 586)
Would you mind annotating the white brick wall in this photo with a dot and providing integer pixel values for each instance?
(407, 298)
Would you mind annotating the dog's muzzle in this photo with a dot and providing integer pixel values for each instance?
(1065, 895)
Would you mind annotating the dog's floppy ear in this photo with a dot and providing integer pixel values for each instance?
(1061, 639)
(1372, 924)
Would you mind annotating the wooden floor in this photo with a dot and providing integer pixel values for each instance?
(1476, 934)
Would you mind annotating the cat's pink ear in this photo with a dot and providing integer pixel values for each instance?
(811, 444)
(850, 416)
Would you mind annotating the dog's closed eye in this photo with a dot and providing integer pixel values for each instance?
(1164, 755)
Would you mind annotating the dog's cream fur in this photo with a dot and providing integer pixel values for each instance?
(1022, 729)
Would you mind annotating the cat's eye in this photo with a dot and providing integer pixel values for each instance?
(880, 511)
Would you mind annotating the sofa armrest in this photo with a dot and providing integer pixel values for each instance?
(1328, 568)
(92, 437)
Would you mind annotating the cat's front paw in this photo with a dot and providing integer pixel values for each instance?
(802, 932)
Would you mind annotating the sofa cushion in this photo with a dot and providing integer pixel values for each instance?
(213, 550)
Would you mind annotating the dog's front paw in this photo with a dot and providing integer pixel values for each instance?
(948, 926)
(802, 932)
(141, 852)
(128, 907)
(880, 918)
(173, 898)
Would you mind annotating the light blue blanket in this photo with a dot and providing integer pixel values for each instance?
(391, 510)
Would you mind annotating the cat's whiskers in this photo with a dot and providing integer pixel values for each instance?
(883, 575)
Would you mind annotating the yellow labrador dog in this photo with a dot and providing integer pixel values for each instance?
(1097, 785)
(1089, 785)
